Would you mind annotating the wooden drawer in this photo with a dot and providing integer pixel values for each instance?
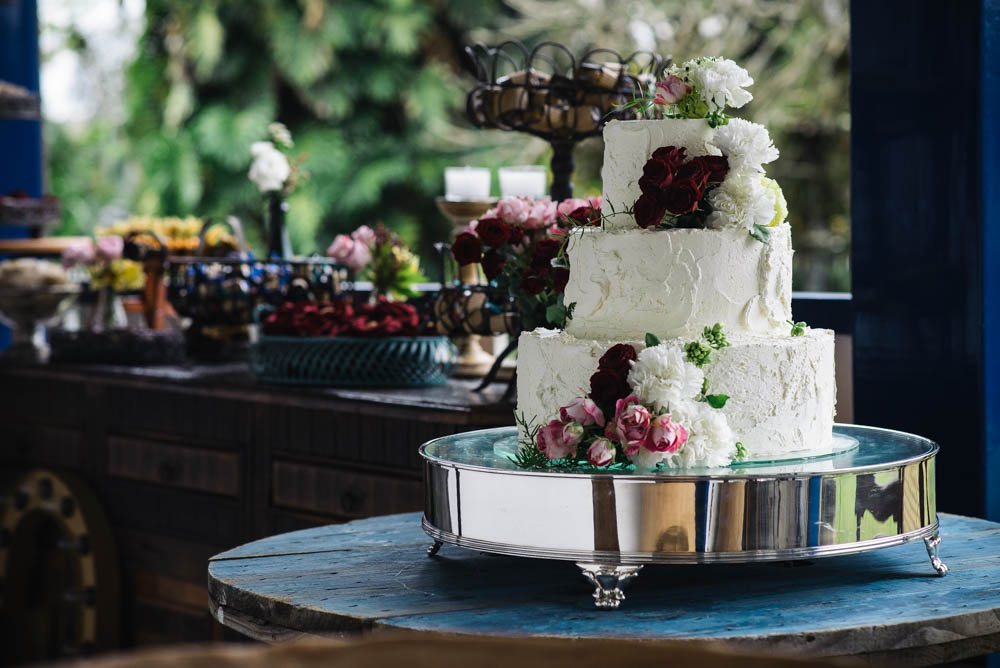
(342, 494)
(211, 471)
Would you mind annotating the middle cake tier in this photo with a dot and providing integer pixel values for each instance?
(672, 282)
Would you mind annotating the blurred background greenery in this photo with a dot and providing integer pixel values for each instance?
(374, 93)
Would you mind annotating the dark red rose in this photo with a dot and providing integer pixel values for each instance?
(560, 276)
(671, 156)
(606, 387)
(467, 248)
(717, 167)
(617, 358)
(493, 232)
(654, 173)
(547, 248)
(648, 211)
(693, 171)
(681, 197)
(493, 264)
(585, 216)
(516, 236)
(532, 283)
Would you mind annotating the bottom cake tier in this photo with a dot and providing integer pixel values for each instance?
(781, 389)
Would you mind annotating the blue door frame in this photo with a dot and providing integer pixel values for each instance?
(925, 225)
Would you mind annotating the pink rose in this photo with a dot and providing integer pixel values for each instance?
(631, 424)
(601, 452)
(471, 229)
(542, 213)
(81, 252)
(568, 206)
(513, 210)
(670, 90)
(557, 440)
(365, 235)
(109, 248)
(582, 410)
(348, 252)
(665, 435)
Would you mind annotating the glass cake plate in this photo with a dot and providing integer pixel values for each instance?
(874, 489)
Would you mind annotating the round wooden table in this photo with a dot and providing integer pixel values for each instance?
(376, 574)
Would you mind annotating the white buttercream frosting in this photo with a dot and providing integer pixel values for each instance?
(674, 282)
(781, 388)
(627, 147)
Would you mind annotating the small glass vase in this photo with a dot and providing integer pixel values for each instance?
(109, 312)
(278, 243)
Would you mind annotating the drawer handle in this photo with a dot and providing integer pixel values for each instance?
(167, 472)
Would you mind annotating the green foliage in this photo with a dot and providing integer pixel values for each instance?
(698, 353)
(652, 340)
(715, 336)
(741, 451)
(761, 233)
(716, 400)
(798, 328)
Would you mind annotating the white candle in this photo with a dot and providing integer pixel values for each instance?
(524, 180)
(466, 183)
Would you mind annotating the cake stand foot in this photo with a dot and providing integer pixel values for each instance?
(434, 548)
(608, 581)
(932, 543)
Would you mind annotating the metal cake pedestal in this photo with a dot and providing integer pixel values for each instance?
(877, 494)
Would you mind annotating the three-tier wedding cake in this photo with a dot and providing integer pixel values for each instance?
(681, 350)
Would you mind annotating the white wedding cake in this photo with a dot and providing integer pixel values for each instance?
(693, 261)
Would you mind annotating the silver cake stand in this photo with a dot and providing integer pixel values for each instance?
(876, 492)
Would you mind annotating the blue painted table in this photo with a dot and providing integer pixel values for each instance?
(374, 574)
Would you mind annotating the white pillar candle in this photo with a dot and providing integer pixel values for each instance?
(524, 180)
(466, 183)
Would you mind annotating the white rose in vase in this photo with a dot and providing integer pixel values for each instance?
(270, 168)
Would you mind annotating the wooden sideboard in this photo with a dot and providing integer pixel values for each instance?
(189, 461)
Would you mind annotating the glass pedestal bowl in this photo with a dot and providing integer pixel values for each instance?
(27, 312)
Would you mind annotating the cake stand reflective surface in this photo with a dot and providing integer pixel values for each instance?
(879, 493)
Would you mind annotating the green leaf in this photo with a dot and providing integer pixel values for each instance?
(652, 340)
(761, 233)
(556, 315)
(716, 400)
(741, 452)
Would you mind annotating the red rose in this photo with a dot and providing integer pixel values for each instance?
(547, 248)
(618, 358)
(671, 156)
(493, 232)
(560, 276)
(586, 216)
(532, 283)
(516, 236)
(681, 197)
(493, 264)
(467, 248)
(606, 387)
(648, 211)
(693, 171)
(654, 174)
(716, 165)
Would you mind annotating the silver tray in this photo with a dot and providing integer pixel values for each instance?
(879, 493)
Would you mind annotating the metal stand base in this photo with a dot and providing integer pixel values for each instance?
(434, 548)
(932, 542)
(608, 581)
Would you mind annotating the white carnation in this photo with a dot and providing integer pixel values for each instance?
(746, 145)
(720, 82)
(644, 459)
(270, 168)
(741, 201)
(710, 442)
(661, 376)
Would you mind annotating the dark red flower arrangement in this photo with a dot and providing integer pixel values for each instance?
(519, 245)
(673, 185)
(610, 382)
(342, 318)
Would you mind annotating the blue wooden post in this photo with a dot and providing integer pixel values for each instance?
(20, 140)
(990, 128)
(925, 160)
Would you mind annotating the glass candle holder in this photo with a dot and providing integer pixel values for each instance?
(523, 180)
(466, 183)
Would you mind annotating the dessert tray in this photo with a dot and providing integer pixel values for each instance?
(874, 490)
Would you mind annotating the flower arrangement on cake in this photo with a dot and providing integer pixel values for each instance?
(725, 188)
(649, 409)
(521, 246)
(381, 257)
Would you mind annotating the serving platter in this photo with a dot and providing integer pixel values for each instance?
(875, 493)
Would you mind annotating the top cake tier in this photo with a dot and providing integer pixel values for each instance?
(673, 283)
(627, 147)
